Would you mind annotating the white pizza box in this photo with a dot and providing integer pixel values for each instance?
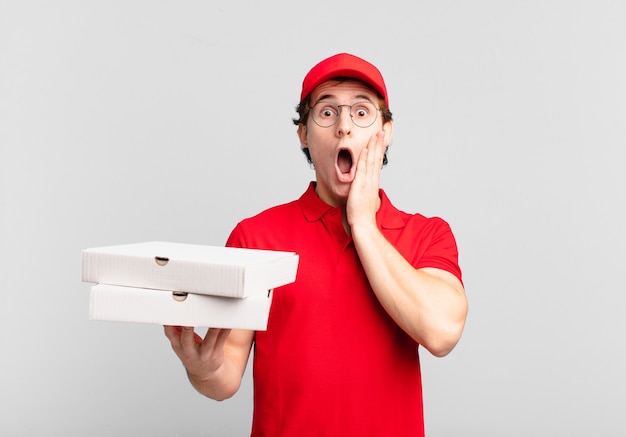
(130, 304)
(192, 268)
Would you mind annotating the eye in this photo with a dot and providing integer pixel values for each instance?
(361, 111)
(327, 112)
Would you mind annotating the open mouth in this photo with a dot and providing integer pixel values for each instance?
(344, 161)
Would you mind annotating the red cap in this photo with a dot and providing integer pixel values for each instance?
(344, 65)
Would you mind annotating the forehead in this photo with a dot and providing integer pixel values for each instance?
(344, 91)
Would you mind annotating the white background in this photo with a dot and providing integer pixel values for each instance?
(129, 121)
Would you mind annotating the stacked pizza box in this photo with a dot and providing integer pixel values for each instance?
(185, 284)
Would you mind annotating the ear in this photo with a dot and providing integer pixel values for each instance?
(302, 135)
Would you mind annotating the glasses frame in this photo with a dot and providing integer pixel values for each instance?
(310, 109)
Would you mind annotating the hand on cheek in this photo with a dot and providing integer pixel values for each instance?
(363, 200)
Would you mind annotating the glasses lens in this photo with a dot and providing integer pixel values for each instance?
(363, 114)
(325, 114)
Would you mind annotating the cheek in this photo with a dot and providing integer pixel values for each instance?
(314, 140)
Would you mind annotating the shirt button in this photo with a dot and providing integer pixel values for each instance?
(333, 212)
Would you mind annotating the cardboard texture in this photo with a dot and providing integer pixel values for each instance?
(199, 269)
(128, 304)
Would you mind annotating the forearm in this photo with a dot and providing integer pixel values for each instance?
(429, 304)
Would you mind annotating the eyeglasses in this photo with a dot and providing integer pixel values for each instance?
(363, 114)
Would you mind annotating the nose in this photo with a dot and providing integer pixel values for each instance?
(344, 123)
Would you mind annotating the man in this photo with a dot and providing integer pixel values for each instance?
(340, 354)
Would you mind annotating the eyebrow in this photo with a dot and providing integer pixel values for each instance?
(359, 97)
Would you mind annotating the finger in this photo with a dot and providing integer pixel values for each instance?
(171, 332)
(361, 166)
(215, 337)
(378, 149)
(187, 337)
(222, 337)
(213, 341)
(210, 339)
(373, 158)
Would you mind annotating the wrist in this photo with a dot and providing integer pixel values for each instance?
(364, 228)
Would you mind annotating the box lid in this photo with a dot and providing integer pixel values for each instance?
(193, 268)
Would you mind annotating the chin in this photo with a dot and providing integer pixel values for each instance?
(341, 193)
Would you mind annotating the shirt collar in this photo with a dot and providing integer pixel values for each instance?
(314, 208)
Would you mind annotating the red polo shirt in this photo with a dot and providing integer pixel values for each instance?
(332, 362)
